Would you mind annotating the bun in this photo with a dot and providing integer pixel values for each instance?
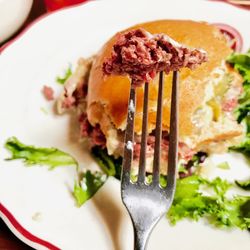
(108, 96)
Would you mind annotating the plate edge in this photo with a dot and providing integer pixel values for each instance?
(23, 234)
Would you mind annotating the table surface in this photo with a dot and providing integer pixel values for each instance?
(8, 241)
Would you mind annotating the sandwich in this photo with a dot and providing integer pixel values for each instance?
(208, 97)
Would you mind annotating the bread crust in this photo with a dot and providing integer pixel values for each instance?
(112, 92)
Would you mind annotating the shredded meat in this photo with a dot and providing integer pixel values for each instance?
(75, 87)
(230, 105)
(48, 93)
(94, 134)
(184, 151)
(97, 138)
(141, 55)
(68, 102)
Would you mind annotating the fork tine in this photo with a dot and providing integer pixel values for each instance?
(158, 133)
(142, 162)
(129, 137)
(173, 136)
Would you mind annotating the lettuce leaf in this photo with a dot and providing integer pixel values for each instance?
(223, 165)
(88, 186)
(241, 62)
(108, 164)
(243, 147)
(65, 77)
(244, 184)
(90, 182)
(191, 203)
(32, 155)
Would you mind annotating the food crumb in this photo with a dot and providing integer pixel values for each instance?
(48, 93)
(223, 165)
(37, 216)
(44, 110)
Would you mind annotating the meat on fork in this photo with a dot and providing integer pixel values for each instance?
(141, 56)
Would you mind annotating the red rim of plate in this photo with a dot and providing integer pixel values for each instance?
(232, 4)
(20, 229)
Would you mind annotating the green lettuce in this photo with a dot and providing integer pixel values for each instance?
(90, 182)
(88, 186)
(109, 165)
(32, 155)
(244, 184)
(243, 147)
(241, 62)
(223, 165)
(65, 77)
(189, 202)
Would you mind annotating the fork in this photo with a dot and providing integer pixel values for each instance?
(147, 203)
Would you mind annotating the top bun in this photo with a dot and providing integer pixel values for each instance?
(108, 96)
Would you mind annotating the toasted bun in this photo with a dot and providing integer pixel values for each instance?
(108, 96)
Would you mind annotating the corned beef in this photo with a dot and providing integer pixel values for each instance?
(141, 56)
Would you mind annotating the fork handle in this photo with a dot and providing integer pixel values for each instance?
(140, 238)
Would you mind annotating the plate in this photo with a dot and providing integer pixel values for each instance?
(37, 204)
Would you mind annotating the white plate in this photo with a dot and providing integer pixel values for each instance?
(41, 200)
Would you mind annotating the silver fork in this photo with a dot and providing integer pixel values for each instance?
(147, 203)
